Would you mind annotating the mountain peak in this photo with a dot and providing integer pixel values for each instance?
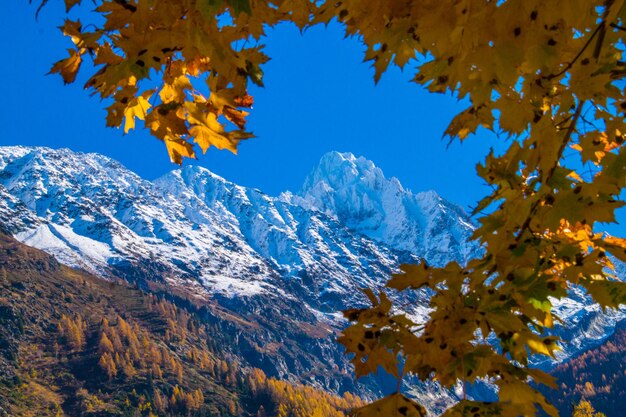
(197, 170)
(340, 169)
(197, 174)
(58, 160)
(338, 156)
(356, 192)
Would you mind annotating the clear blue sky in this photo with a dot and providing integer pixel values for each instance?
(319, 96)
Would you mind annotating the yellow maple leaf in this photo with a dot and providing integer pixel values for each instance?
(607, 293)
(137, 107)
(175, 91)
(206, 137)
(521, 396)
(178, 148)
(469, 408)
(545, 346)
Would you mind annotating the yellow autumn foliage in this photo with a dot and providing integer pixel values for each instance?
(546, 74)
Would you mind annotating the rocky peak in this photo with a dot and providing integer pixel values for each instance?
(357, 193)
(341, 170)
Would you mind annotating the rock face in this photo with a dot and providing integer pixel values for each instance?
(288, 263)
(356, 192)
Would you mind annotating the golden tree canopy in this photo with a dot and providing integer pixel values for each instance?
(585, 409)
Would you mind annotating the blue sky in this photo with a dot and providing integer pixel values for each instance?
(319, 96)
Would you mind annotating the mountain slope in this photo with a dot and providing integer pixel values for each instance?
(72, 344)
(280, 268)
(191, 226)
(197, 236)
(598, 375)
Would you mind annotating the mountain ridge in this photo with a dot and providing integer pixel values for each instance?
(72, 344)
(287, 263)
(356, 191)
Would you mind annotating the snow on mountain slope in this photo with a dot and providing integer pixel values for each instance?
(356, 192)
(14, 215)
(95, 213)
(287, 264)
(313, 253)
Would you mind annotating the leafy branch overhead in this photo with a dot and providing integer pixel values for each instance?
(548, 75)
(180, 66)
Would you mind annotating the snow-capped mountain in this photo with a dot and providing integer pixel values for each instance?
(218, 237)
(277, 270)
(356, 192)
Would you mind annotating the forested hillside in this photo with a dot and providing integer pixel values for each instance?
(598, 375)
(72, 344)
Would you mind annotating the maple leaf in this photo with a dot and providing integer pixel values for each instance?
(69, 4)
(68, 67)
(615, 245)
(137, 107)
(469, 408)
(394, 405)
(175, 91)
(607, 293)
(178, 149)
(205, 137)
(241, 6)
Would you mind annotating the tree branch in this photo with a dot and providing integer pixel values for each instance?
(578, 55)
(566, 139)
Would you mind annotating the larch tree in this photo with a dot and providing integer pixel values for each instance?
(547, 75)
(585, 409)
